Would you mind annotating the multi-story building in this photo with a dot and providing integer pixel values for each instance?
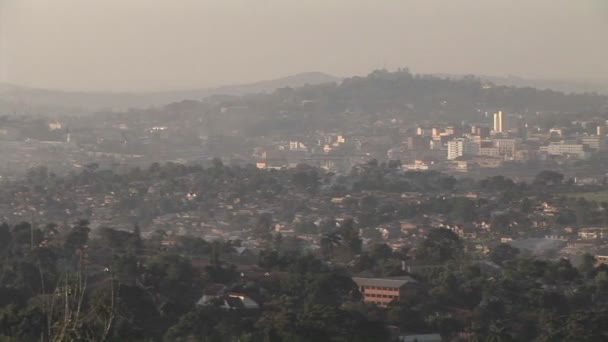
(594, 142)
(481, 131)
(460, 147)
(425, 131)
(334, 139)
(418, 143)
(488, 161)
(593, 233)
(471, 148)
(489, 151)
(455, 148)
(462, 166)
(382, 291)
(559, 132)
(512, 123)
(506, 147)
(565, 149)
(418, 165)
(297, 146)
(498, 122)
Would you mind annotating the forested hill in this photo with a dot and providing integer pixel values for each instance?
(381, 94)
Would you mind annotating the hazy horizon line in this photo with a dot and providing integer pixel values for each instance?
(160, 89)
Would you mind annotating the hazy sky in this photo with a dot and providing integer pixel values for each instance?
(115, 45)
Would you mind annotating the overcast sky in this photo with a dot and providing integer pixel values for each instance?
(116, 45)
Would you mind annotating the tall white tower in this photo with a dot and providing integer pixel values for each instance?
(498, 122)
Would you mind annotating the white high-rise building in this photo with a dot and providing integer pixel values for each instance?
(455, 148)
(460, 147)
(498, 122)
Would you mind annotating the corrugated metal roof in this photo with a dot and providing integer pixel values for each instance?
(384, 282)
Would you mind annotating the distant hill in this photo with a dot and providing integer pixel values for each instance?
(375, 92)
(565, 86)
(381, 96)
(17, 99)
(294, 81)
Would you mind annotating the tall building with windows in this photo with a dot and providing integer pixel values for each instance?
(594, 142)
(460, 147)
(498, 122)
(506, 147)
(565, 148)
(455, 148)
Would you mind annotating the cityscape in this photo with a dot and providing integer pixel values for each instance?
(160, 183)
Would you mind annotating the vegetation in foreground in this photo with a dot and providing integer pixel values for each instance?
(70, 287)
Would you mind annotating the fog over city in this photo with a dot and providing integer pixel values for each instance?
(144, 45)
(303, 170)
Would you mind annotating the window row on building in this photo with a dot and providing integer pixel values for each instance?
(380, 296)
(381, 288)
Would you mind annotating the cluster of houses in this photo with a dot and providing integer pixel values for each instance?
(233, 217)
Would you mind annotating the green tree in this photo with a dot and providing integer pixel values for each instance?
(328, 243)
(498, 333)
(382, 251)
(440, 245)
(587, 265)
(77, 237)
(5, 238)
(463, 209)
(502, 253)
(548, 178)
(25, 236)
(176, 283)
(197, 325)
(350, 236)
(263, 224)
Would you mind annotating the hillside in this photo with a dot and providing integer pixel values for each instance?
(17, 99)
(360, 101)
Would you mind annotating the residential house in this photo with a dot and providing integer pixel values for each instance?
(215, 294)
(601, 259)
(593, 233)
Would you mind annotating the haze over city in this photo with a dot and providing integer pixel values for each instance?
(303, 171)
(144, 45)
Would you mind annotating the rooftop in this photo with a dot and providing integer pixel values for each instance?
(384, 282)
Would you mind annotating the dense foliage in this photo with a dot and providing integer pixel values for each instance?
(69, 282)
(66, 287)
